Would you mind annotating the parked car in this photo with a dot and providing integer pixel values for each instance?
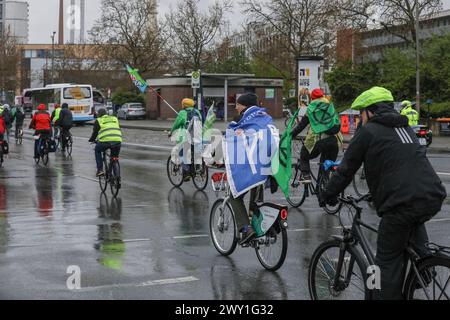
(131, 111)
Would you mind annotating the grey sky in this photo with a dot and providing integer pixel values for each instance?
(44, 16)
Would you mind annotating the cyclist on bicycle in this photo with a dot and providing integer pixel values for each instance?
(19, 118)
(323, 137)
(406, 190)
(181, 126)
(109, 135)
(409, 112)
(65, 123)
(41, 123)
(55, 117)
(2, 123)
(250, 119)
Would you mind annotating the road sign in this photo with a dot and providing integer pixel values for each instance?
(196, 75)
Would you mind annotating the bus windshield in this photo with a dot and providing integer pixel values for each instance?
(77, 93)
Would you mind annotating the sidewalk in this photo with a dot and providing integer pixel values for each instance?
(439, 145)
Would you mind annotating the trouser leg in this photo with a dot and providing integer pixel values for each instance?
(240, 211)
(304, 161)
(36, 147)
(393, 235)
(99, 148)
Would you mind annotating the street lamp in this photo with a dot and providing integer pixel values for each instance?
(53, 56)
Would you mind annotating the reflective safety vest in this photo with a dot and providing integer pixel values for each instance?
(109, 129)
(412, 114)
(57, 113)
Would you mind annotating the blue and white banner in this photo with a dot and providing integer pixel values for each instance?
(249, 147)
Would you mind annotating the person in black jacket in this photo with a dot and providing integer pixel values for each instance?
(65, 122)
(20, 118)
(405, 188)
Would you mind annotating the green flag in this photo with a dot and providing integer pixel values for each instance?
(137, 79)
(282, 161)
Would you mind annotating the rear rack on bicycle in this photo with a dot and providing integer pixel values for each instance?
(219, 181)
(435, 248)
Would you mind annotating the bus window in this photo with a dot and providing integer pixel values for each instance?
(77, 93)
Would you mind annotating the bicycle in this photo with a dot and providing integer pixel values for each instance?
(65, 140)
(269, 221)
(359, 183)
(19, 139)
(112, 174)
(198, 172)
(43, 148)
(299, 191)
(338, 265)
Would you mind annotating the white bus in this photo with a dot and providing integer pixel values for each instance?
(79, 97)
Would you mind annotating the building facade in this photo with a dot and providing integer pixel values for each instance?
(14, 18)
(220, 89)
(369, 46)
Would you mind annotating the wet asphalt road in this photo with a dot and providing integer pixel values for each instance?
(151, 243)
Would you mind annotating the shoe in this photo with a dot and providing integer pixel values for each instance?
(100, 173)
(305, 178)
(248, 235)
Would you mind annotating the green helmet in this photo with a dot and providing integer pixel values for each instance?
(371, 97)
(406, 104)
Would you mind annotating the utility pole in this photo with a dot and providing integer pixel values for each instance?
(53, 57)
(417, 57)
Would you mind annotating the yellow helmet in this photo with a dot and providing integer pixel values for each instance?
(187, 103)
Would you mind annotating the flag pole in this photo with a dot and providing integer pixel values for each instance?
(164, 100)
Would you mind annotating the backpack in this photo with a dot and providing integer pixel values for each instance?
(194, 125)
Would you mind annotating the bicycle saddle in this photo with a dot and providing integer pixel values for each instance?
(327, 165)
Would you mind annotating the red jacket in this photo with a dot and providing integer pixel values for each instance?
(41, 121)
(2, 125)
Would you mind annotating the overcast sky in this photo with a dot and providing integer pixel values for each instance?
(44, 16)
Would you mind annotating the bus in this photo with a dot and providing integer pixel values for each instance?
(79, 97)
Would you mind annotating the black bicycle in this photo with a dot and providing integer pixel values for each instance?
(43, 149)
(66, 142)
(360, 183)
(112, 174)
(299, 191)
(339, 270)
(198, 172)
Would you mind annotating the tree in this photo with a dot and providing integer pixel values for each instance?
(9, 58)
(396, 17)
(286, 29)
(228, 59)
(194, 33)
(122, 96)
(127, 33)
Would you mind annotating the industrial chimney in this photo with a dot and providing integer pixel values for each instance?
(61, 22)
(82, 17)
(72, 21)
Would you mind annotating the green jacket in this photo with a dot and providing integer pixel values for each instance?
(412, 114)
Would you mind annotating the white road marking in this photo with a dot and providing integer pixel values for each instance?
(168, 281)
(192, 236)
(443, 174)
(144, 284)
(136, 240)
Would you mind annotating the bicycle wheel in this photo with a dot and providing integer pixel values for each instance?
(44, 155)
(175, 173)
(297, 190)
(435, 275)
(323, 181)
(103, 180)
(222, 227)
(322, 272)
(360, 183)
(114, 180)
(69, 145)
(271, 251)
(200, 178)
